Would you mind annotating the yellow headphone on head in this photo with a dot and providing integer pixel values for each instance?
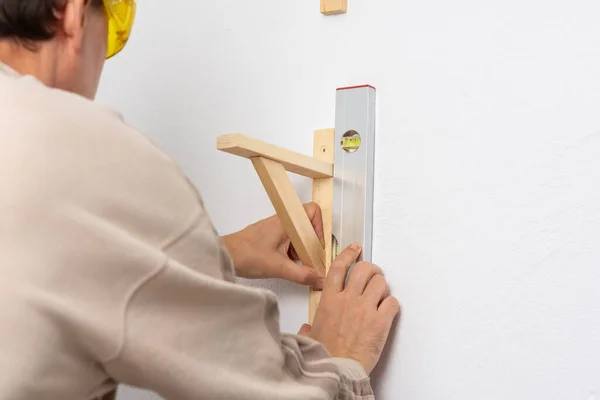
(121, 14)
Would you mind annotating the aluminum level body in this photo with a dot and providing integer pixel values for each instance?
(354, 170)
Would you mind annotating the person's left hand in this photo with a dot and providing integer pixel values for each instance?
(264, 250)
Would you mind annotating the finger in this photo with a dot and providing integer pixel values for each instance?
(376, 291)
(390, 307)
(305, 330)
(339, 268)
(388, 311)
(313, 211)
(316, 219)
(293, 254)
(300, 274)
(361, 276)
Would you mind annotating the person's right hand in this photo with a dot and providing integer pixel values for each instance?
(354, 320)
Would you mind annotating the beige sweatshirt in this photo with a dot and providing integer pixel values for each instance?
(111, 272)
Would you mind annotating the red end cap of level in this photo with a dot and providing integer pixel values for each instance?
(356, 87)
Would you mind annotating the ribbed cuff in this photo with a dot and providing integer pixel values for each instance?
(355, 376)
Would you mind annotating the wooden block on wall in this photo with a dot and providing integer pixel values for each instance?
(332, 7)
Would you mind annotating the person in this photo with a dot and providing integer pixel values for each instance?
(111, 269)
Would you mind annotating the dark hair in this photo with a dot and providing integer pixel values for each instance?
(31, 20)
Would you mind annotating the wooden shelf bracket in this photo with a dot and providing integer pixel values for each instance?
(272, 164)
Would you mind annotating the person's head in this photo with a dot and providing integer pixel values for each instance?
(64, 43)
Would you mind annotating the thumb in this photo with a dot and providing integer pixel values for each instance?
(305, 330)
(301, 274)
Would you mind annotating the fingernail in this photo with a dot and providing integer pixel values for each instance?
(355, 246)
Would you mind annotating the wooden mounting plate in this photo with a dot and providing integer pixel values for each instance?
(324, 149)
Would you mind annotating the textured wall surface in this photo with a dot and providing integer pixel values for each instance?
(487, 215)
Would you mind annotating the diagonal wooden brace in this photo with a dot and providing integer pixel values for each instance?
(288, 206)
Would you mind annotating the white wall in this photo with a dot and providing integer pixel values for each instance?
(487, 217)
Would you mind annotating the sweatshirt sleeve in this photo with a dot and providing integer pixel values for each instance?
(189, 334)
